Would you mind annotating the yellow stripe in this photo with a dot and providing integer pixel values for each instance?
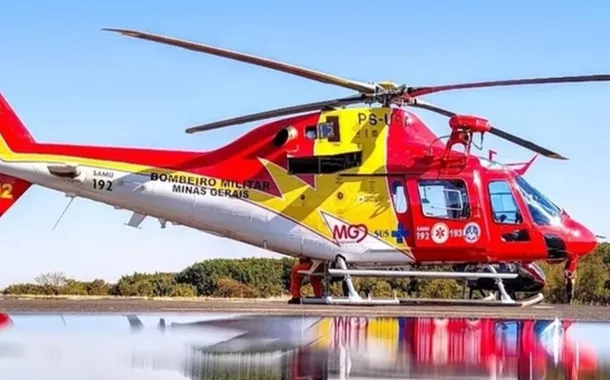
(9, 156)
(386, 331)
(322, 333)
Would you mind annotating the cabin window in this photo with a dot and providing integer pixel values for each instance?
(444, 199)
(311, 132)
(503, 205)
(328, 130)
(399, 197)
(324, 164)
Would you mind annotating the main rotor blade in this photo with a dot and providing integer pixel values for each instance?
(259, 61)
(419, 91)
(278, 112)
(418, 103)
(525, 143)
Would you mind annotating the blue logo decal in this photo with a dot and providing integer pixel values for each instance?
(472, 232)
(400, 234)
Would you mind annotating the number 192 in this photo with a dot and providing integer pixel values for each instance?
(102, 184)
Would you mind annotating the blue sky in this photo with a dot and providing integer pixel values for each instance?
(70, 82)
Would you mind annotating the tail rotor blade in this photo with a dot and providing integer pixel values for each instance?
(525, 143)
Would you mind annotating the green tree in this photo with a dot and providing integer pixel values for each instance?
(439, 288)
(266, 276)
(183, 290)
(258, 277)
(230, 288)
(98, 287)
(591, 279)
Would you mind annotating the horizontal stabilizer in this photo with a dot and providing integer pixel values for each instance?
(11, 189)
(135, 220)
(135, 323)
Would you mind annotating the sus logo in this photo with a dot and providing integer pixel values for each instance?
(354, 233)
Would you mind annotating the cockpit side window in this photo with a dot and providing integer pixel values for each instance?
(504, 207)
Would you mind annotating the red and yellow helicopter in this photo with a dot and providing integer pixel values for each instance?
(365, 191)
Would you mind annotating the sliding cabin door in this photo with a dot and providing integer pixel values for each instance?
(448, 222)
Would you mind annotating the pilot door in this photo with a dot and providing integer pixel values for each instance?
(446, 213)
(509, 226)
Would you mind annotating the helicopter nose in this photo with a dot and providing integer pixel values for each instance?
(582, 241)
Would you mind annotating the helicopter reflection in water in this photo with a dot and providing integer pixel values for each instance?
(275, 347)
(396, 348)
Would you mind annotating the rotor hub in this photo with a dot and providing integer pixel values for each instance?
(387, 85)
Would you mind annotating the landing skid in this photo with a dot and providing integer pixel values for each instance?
(419, 301)
(501, 298)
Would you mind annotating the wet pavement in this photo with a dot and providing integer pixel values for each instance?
(581, 313)
(166, 345)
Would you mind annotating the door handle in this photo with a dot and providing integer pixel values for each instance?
(517, 235)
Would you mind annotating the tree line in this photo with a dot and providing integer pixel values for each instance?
(265, 278)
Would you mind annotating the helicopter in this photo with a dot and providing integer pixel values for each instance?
(350, 191)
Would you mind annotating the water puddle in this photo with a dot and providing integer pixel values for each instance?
(223, 346)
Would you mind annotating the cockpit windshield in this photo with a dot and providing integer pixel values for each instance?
(544, 212)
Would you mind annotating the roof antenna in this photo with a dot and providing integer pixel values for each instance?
(491, 154)
(71, 196)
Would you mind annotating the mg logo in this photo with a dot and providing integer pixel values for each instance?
(354, 233)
